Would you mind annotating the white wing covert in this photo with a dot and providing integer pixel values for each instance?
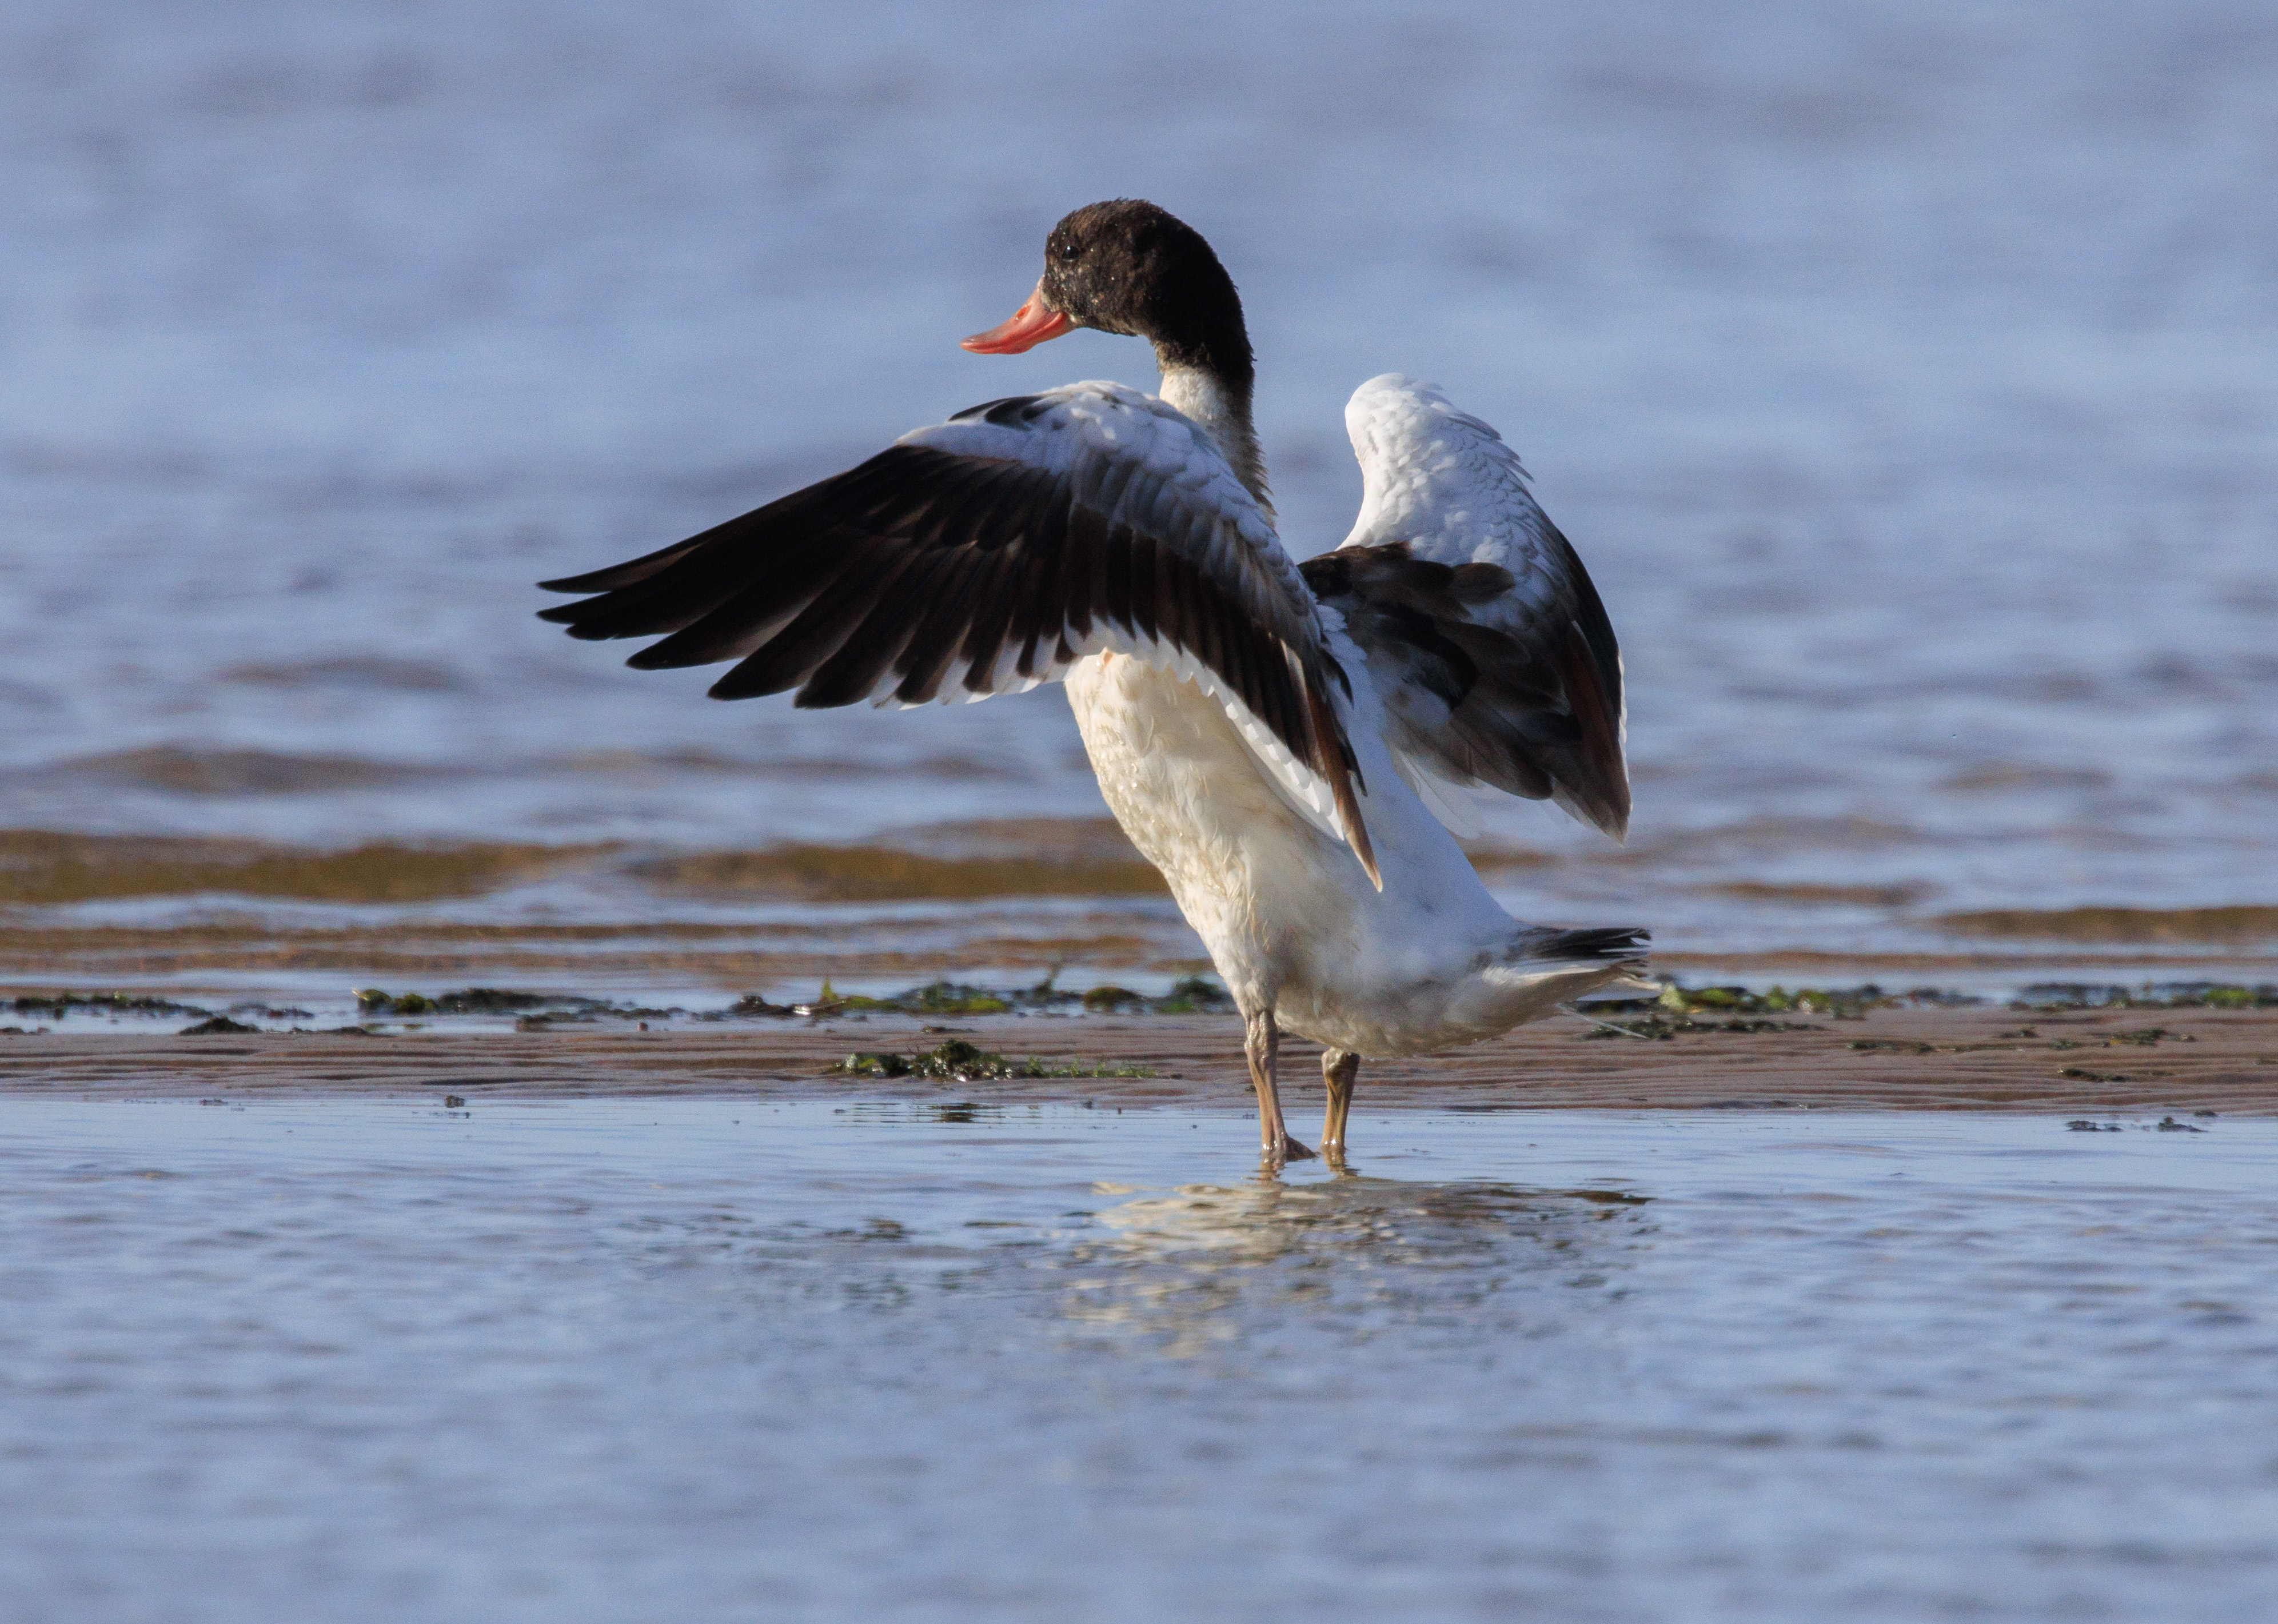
(988, 554)
(1482, 632)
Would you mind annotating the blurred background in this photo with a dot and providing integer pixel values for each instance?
(1907, 374)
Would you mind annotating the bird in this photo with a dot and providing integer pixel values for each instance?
(1291, 745)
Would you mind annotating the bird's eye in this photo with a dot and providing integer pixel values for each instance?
(1067, 253)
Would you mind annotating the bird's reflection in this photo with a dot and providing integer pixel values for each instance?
(1378, 1220)
(1199, 1263)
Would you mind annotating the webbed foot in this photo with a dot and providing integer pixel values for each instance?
(1291, 1150)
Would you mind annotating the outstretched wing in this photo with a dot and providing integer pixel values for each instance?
(987, 554)
(1482, 632)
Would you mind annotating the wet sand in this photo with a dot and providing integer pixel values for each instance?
(790, 956)
(1978, 1059)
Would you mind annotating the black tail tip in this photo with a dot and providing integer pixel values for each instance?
(1600, 944)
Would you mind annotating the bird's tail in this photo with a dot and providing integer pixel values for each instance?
(1592, 945)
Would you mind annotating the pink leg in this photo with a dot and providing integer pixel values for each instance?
(1262, 1046)
(1339, 1071)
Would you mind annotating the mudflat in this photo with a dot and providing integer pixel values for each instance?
(2090, 1061)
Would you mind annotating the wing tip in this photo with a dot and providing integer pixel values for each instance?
(1597, 789)
(609, 577)
(1332, 760)
(1608, 814)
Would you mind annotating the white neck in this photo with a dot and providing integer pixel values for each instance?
(1202, 398)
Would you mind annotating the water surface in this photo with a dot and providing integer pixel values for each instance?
(1904, 372)
(713, 1359)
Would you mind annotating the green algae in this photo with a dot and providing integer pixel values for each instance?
(57, 1005)
(534, 1011)
(470, 1000)
(540, 1011)
(1190, 995)
(957, 1061)
(1844, 1003)
(1662, 1028)
(1686, 1009)
(1194, 995)
(215, 1026)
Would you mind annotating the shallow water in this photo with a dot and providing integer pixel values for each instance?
(1904, 372)
(698, 1360)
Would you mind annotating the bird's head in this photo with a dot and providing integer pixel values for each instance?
(1128, 267)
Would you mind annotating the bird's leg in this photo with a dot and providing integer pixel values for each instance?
(1340, 1069)
(1261, 1045)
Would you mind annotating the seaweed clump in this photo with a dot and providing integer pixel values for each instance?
(1188, 995)
(54, 1006)
(1193, 995)
(957, 1061)
(1693, 1009)
(533, 1011)
(537, 1011)
(467, 1000)
(1661, 1028)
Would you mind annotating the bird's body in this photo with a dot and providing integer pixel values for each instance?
(1283, 742)
(1292, 923)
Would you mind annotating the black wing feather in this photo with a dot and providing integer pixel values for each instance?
(1533, 708)
(889, 577)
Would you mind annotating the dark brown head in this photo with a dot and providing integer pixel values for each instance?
(1129, 267)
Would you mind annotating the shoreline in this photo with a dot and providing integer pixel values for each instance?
(738, 956)
(2086, 1061)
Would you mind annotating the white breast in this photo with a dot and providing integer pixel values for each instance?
(1288, 917)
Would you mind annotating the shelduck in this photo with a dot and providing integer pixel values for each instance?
(1290, 743)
